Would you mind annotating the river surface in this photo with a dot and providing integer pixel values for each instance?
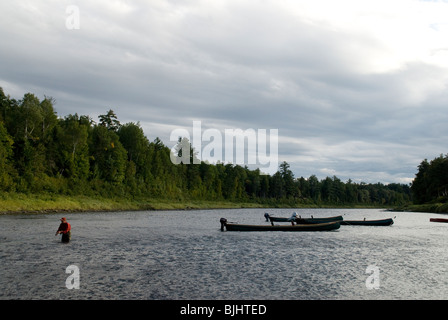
(155, 255)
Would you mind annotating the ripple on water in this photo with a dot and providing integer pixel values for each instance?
(183, 255)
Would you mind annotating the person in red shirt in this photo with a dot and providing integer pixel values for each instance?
(65, 230)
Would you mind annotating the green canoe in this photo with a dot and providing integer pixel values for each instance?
(297, 227)
(381, 222)
(307, 220)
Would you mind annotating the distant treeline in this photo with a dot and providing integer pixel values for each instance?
(75, 155)
(431, 181)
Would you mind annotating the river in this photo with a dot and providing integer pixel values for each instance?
(164, 255)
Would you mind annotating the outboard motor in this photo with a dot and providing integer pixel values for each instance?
(266, 215)
(223, 222)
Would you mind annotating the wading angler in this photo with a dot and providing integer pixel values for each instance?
(65, 230)
(232, 148)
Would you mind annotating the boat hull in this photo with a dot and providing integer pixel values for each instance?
(438, 220)
(298, 227)
(307, 220)
(382, 222)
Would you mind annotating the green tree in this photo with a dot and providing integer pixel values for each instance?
(108, 157)
(253, 183)
(277, 186)
(49, 117)
(110, 120)
(29, 143)
(138, 149)
(4, 106)
(73, 147)
(184, 153)
(420, 183)
(7, 172)
(210, 183)
(289, 186)
(438, 178)
(315, 192)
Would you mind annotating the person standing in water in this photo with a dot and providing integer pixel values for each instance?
(65, 230)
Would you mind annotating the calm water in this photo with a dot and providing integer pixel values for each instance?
(184, 255)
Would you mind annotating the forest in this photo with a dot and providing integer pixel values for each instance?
(431, 181)
(41, 152)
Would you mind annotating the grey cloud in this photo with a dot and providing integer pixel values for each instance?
(233, 64)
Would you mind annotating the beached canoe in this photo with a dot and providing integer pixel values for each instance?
(381, 222)
(297, 227)
(438, 220)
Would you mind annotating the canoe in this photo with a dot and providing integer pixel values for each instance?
(278, 219)
(307, 220)
(382, 222)
(318, 220)
(438, 220)
(297, 227)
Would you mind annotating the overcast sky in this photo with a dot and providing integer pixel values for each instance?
(356, 89)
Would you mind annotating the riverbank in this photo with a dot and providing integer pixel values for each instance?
(18, 203)
(32, 203)
(428, 207)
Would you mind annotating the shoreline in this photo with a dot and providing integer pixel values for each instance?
(438, 208)
(16, 203)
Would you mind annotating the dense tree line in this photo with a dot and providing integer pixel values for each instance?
(41, 152)
(431, 181)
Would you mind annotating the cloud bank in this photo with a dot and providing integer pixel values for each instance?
(356, 89)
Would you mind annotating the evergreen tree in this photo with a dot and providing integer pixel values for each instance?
(431, 181)
(73, 148)
(110, 120)
(138, 149)
(420, 183)
(108, 157)
(288, 180)
(7, 172)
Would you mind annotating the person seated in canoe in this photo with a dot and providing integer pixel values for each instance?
(293, 218)
(266, 215)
